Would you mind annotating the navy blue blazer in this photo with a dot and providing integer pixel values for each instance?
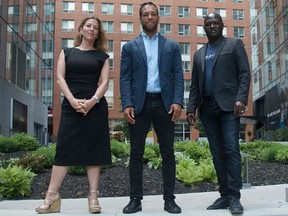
(133, 73)
(230, 75)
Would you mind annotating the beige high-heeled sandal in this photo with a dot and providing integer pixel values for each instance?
(93, 204)
(53, 205)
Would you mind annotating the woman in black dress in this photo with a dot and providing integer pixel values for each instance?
(83, 137)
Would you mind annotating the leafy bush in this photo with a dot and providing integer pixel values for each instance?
(155, 163)
(77, 170)
(119, 149)
(190, 173)
(15, 181)
(32, 161)
(25, 142)
(149, 154)
(7, 144)
(255, 149)
(197, 152)
(280, 134)
(282, 156)
(48, 153)
(269, 153)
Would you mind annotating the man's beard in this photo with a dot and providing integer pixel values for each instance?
(149, 30)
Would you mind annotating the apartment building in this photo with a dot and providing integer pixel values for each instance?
(179, 20)
(269, 58)
(26, 66)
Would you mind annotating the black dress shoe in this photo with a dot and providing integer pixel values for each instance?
(220, 203)
(235, 206)
(133, 206)
(171, 207)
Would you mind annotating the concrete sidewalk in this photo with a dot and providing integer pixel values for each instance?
(257, 201)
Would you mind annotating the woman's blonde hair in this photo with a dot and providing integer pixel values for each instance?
(100, 43)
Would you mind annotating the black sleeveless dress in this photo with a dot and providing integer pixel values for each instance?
(83, 140)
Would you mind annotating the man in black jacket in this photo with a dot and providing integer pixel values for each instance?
(219, 94)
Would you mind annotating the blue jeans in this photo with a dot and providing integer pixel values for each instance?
(153, 112)
(222, 129)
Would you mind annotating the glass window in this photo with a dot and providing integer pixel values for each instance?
(107, 8)
(200, 31)
(68, 7)
(122, 44)
(238, 1)
(127, 9)
(201, 12)
(165, 28)
(127, 28)
(31, 9)
(187, 84)
(183, 30)
(238, 14)
(88, 7)
(66, 42)
(239, 32)
(185, 54)
(108, 26)
(184, 12)
(49, 9)
(111, 53)
(165, 11)
(109, 95)
(222, 12)
(13, 10)
(68, 25)
(30, 28)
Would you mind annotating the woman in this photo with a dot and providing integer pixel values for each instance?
(83, 137)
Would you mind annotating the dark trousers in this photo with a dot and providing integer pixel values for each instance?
(222, 129)
(153, 112)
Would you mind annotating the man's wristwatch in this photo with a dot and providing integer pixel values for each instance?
(96, 98)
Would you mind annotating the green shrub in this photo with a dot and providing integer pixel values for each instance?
(7, 144)
(32, 161)
(155, 163)
(154, 147)
(280, 134)
(149, 154)
(48, 153)
(25, 142)
(255, 149)
(282, 156)
(15, 181)
(191, 173)
(119, 149)
(197, 152)
(269, 153)
(77, 170)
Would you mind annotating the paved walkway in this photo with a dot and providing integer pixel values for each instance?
(257, 201)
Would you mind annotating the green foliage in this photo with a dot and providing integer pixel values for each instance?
(282, 156)
(280, 134)
(124, 127)
(191, 173)
(149, 154)
(197, 152)
(269, 153)
(77, 170)
(255, 149)
(25, 142)
(155, 163)
(48, 152)
(7, 144)
(119, 149)
(18, 142)
(15, 181)
(32, 161)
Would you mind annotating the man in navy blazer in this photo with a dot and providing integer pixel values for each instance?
(219, 94)
(152, 87)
